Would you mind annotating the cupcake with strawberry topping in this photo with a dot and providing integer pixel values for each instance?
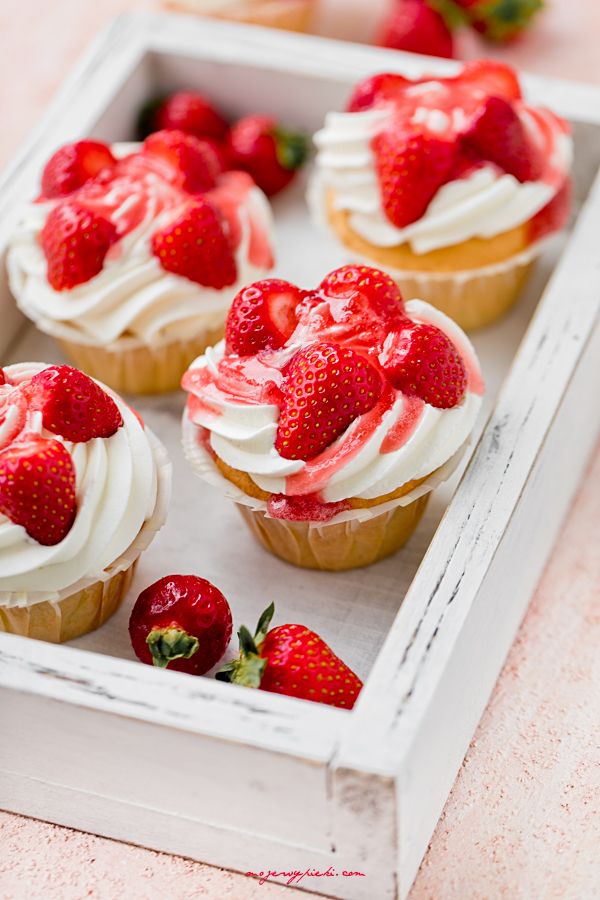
(84, 487)
(330, 415)
(132, 254)
(449, 184)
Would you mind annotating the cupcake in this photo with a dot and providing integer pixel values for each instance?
(132, 254)
(329, 416)
(450, 185)
(290, 15)
(84, 487)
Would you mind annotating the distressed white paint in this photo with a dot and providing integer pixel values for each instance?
(264, 781)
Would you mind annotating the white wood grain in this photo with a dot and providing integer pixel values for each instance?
(91, 735)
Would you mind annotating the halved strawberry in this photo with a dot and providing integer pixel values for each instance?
(422, 361)
(376, 89)
(498, 135)
(195, 246)
(262, 315)
(13, 413)
(37, 488)
(326, 387)
(494, 78)
(193, 161)
(72, 165)
(191, 112)
(2, 376)
(380, 292)
(411, 167)
(75, 242)
(73, 405)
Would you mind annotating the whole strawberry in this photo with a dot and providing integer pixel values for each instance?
(500, 20)
(188, 111)
(325, 389)
(271, 154)
(72, 165)
(37, 488)
(418, 26)
(420, 360)
(291, 660)
(73, 405)
(195, 246)
(181, 622)
(262, 315)
(75, 242)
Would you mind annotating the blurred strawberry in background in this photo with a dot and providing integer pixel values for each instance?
(428, 26)
(500, 20)
(418, 26)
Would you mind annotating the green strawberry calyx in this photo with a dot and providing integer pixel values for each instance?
(247, 670)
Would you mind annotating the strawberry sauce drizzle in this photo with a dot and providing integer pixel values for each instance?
(405, 425)
(318, 471)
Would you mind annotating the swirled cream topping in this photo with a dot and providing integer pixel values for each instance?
(133, 297)
(235, 405)
(117, 487)
(481, 201)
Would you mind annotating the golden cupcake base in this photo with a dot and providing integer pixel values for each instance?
(334, 547)
(140, 369)
(69, 618)
(475, 282)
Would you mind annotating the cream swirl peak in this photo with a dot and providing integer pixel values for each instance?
(340, 394)
(172, 239)
(436, 162)
(82, 502)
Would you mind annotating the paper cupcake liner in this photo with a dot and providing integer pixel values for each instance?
(474, 298)
(289, 15)
(131, 367)
(101, 588)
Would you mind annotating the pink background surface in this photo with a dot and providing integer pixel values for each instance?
(522, 819)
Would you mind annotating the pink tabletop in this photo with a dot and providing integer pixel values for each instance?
(521, 821)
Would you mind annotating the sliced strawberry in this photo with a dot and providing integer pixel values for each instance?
(13, 414)
(416, 27)
(75, 242)
(73, 405)
(363, 283)
(195, 246)
(411, 167)
(325, 389)
(37, 488)
(498, 135)
(191, 112)
(422, 361)
(194, 163)
(73, 165)
(2, 376)
(270, 153)
(376, 90)
(494, 78)
(262, 315)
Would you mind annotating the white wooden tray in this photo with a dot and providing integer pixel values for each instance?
(254, 781)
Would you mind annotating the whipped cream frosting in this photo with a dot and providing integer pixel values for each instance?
(483, 203)
(398, 441)
(133, 298)
(120, 486)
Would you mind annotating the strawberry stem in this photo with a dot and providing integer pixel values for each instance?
(291, 148)
(167, 644)
(248, 669)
